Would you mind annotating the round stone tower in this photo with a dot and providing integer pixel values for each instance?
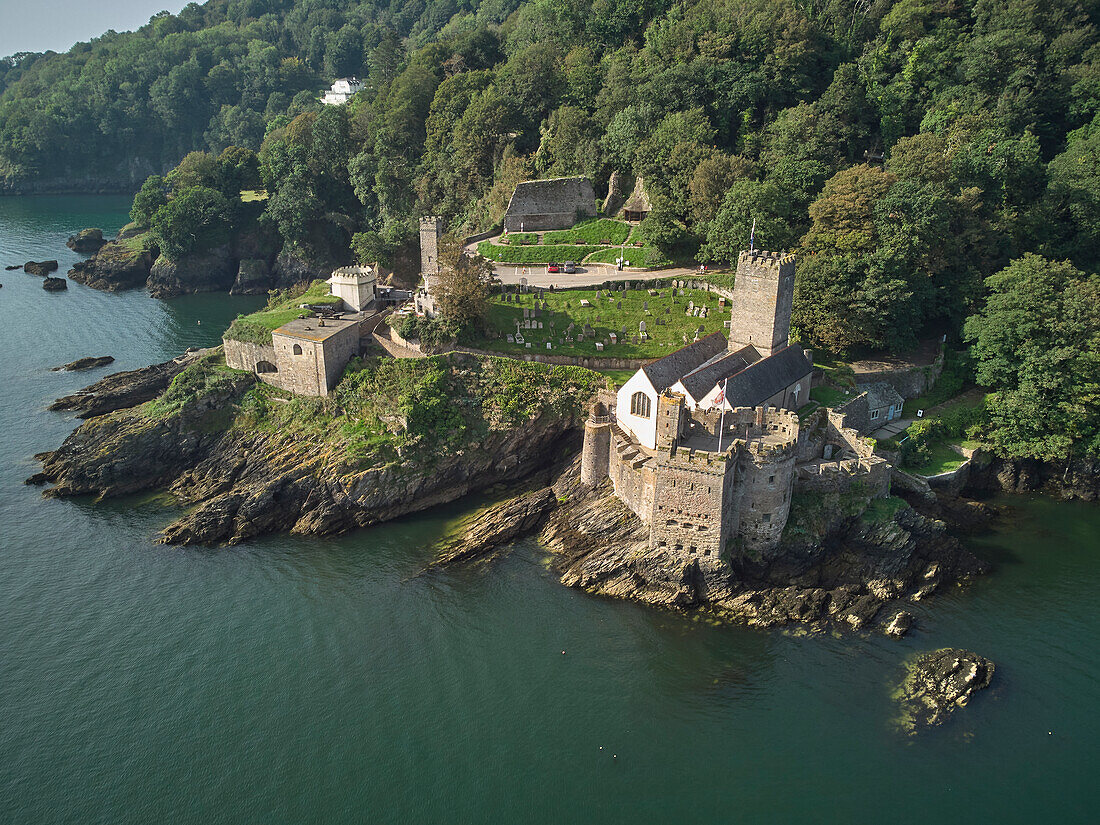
(596, 452)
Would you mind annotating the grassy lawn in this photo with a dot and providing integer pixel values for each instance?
(250, 195)
(592, 231)
(942, 459)
(616, 378)
(829, 396)
(605, 317)
(257, 327)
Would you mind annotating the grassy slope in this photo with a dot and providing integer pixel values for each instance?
(593, 231)
(564, 307)
(257, 327)
(533, 254)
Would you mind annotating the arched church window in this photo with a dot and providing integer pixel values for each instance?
(639, 405)
(297, 349)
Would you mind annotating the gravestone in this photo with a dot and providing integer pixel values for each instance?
(588, 330)
(721, 301)
(660, 322)
(641, 326)
(520, 339)
(549, 345)
(634, 339)
(668, 310)
(540, 324)
(527, 345)
(585, 302)
(691, 306)
(702, 329)
(614, 338)
(680, 293)
(599, 347)
(511, 339)
(619, 305)
(645, 304)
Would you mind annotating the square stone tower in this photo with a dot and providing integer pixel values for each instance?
(762, 296)
(431, 231)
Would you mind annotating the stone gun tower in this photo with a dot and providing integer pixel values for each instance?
(762, 296)
(431, 231)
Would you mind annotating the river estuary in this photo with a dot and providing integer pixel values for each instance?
(322, 680)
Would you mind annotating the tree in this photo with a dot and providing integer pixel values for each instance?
(1036, 344)
(153, 196)
(745, 202)
(462, 290)
(193, 221)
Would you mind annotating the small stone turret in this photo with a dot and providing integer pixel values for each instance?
(596, 453)
(670, 417)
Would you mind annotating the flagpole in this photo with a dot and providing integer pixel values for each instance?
(722, 419)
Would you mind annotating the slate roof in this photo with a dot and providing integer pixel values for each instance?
(758, 382)
(881, 395)
(664, 372)
(701, 381)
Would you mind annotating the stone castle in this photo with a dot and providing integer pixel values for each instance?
(705, 445)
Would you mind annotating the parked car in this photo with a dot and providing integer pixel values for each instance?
(553, 268)
(570, 267)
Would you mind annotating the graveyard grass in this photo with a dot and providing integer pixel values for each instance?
(564, 308)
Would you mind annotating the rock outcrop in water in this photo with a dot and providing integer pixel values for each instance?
(126, 389)
(40, 268)
(87, 363)
(86, 241)
(1067, 479)
(119, 264)
(938, 684)
(849, 576)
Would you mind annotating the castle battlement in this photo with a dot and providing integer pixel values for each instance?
(761, 257)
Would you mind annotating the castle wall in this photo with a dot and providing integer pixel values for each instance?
(763, 293)
(633, 476)
(767, 474)
(871, 475)
(255, 358)
(689, 494)
(335, 354)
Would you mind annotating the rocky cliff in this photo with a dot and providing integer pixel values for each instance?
(1074, 478)
(858, 572)
(251, 460)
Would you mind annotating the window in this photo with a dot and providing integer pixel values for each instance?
(771, 479)
(874, 414)
(639, 405)
(767, 517)
(297, 349)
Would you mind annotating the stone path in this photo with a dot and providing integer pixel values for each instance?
(893, 428)
(381, 337)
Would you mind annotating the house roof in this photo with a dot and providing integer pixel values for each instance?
(664, 372)
(881, 394)
(704, 378)
(761, 380)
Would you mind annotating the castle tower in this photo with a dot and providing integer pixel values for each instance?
(670, 414)
(431, 230)
(596, 453)
(762, 296)
(767, 469)
(354, 285)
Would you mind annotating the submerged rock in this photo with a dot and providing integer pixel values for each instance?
(87, 363)
(13, 267)
(39, 268)
(496, 525)
(54, 284)
(939, 683)
(86, 241)
(899, 625)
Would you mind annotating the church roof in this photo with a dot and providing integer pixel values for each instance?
(704, 378)
(664, 372)
(760, 381)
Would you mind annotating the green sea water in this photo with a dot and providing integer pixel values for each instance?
(314, 680)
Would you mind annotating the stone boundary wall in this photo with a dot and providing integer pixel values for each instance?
(588, 362)
(481, 236)
(909, 382)
(951, 483)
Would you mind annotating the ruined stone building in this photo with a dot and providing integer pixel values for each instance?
(556, 203)
(705, 445)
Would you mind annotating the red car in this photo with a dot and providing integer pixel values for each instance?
(553, 268)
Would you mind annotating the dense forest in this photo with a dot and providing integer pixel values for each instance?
(909, 149)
